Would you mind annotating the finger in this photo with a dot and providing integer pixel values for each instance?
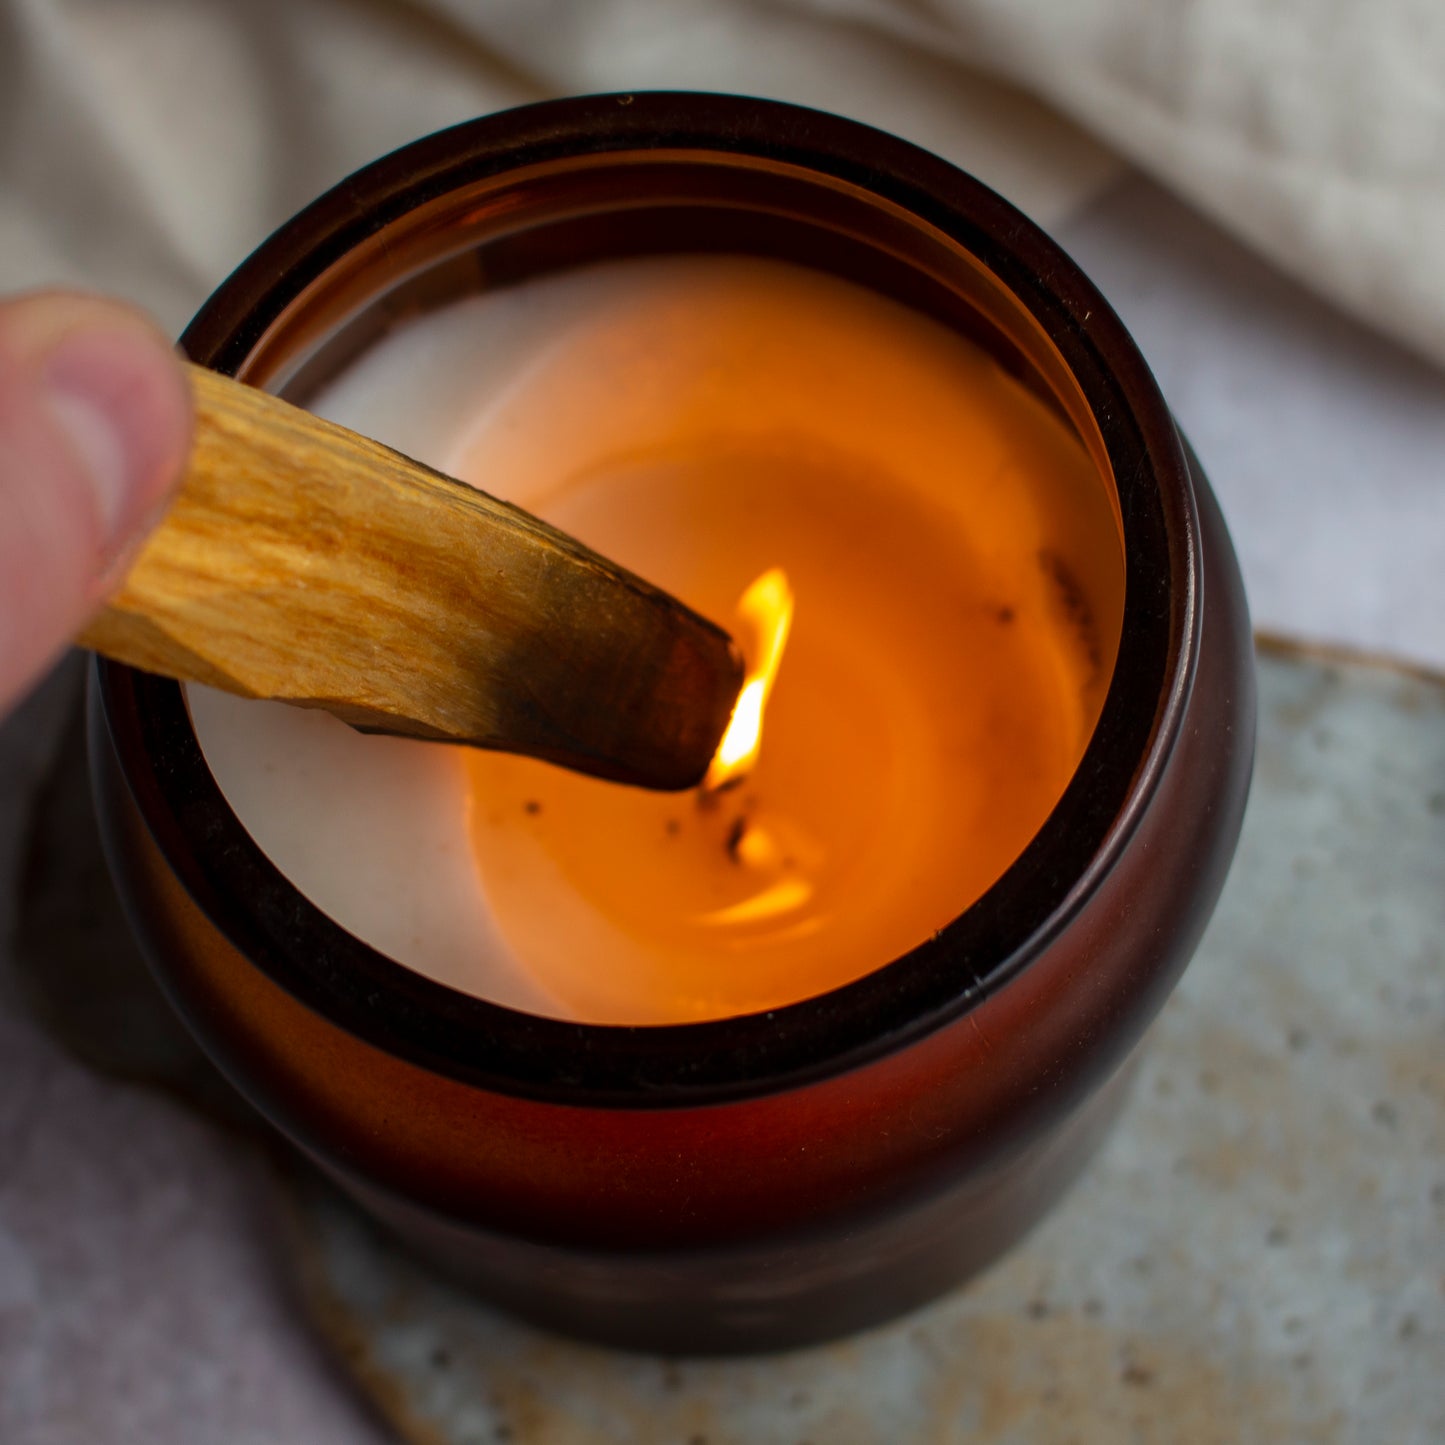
(95, 418)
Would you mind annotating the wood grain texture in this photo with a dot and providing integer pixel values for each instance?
(303, 562)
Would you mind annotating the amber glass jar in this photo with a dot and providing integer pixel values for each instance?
(770, 1179)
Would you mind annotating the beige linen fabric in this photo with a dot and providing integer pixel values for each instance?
(1314, 129)
(149, 144)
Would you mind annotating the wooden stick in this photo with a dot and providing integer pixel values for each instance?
(303, 562)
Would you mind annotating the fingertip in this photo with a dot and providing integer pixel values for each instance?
(117, 396)
(95, 422)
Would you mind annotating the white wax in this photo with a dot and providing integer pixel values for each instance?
(558, 394)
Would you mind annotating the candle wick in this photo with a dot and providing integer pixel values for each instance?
(708, 794)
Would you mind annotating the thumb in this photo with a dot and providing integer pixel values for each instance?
(95, 418)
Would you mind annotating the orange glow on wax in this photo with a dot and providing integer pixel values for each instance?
(958, 581)
(956, 555)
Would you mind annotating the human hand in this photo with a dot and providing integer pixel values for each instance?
(95, 425)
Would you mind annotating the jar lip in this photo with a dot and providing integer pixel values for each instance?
(488, 1045)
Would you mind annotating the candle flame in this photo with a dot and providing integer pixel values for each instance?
(765, 610)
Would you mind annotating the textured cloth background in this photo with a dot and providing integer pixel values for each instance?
(148, 144)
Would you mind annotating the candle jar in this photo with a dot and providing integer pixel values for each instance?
(772, 1179)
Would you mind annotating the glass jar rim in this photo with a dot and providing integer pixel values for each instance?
(488, 1045)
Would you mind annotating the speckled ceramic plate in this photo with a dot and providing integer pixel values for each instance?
(1259, 1254)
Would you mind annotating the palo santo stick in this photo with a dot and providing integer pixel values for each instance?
(303, 562)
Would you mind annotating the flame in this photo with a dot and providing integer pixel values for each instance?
(766, 611)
